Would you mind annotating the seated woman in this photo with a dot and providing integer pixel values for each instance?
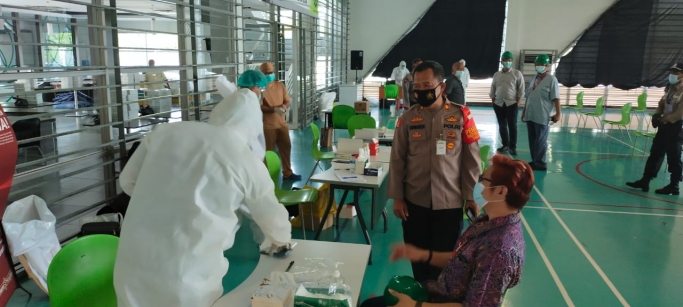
(489, 256)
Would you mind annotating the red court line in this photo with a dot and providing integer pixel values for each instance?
(601, 205)
(578, 170)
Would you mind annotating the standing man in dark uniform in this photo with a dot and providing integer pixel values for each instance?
(668, 119)
(435, 164)
(455, 90)
(407, 86)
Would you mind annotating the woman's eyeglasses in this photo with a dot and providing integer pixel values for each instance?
(482, 178)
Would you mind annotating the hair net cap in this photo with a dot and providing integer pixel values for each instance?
(251, 78)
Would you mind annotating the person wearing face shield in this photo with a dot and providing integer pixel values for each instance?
(455, 90)
(668, 119)
(435, 164)
(489, 256)
(507, 89)
(542, 98)
(188, 182)
(399, 73)
(274, 106)
(408, 94)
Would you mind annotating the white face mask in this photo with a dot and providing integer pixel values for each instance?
(540, 69)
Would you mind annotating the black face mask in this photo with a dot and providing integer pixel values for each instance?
(427, 97)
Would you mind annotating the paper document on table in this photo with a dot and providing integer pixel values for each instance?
(367, 134)
(347, 176)
(348, 146)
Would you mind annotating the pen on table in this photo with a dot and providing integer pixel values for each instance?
(291, 264)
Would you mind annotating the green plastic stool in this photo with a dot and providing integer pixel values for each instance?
(405, 285)
(82, 273)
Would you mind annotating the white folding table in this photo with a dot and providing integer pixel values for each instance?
(353, 256)
(377, 184)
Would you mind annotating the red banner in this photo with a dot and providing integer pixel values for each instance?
(8, 161)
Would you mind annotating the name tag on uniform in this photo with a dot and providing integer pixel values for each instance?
(440, 147)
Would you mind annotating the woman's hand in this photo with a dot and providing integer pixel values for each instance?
(403, 300)
(409, 252)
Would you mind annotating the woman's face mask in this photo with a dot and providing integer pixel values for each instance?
(427, 97)
(673, 79)
(478, 193)
(459, 74)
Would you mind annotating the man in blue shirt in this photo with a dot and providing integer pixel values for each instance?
(542, 96)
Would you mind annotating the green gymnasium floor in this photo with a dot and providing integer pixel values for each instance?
(591, 241)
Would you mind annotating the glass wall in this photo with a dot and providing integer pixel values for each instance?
(82, 80)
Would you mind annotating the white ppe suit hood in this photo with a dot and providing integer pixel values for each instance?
(189, 182)
(241, 113)
(399, 73)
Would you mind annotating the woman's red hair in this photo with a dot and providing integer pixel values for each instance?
(516, 175)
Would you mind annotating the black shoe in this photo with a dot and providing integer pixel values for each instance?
(503, 149)
(671, 189)
(539, 167)
(513, 151)
(643, 184)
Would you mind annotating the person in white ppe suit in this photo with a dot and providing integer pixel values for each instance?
(188, 181)
(399, 73)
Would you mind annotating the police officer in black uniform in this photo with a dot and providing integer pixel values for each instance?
(668, 119)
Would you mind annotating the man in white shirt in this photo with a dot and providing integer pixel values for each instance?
(154, 79)
(507, 89)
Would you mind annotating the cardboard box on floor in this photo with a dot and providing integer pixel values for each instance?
(361, 106)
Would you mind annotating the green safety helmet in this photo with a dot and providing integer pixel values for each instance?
(542, 59)
(405, 285)
(507, 55)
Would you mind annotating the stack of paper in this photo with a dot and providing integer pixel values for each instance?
(278, 291)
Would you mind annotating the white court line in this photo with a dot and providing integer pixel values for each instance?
(627, 144)
(584, 251)
(556, 278)
(582, 153)
(603, 211)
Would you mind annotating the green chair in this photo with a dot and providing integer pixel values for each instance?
(289, 198)
(82, 273)
(341, 115)
(599, 110)
(360, 121)
(647, 135)
(623, 123)
(578, 107)
(391, 91)
(642, 108)
(484, 153)
(316, 153)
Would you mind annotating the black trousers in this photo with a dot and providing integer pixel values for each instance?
(436, 230)
(507, 123)
(667, 142)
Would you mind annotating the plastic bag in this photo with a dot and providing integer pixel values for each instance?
(318, 208)
(329, 290)
(326, 102)
(30, 229)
